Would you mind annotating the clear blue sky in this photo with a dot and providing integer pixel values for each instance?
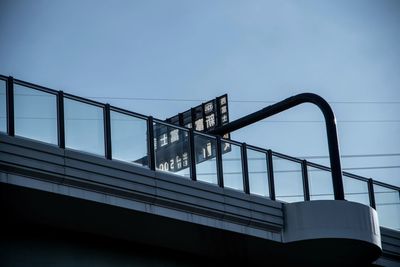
(346, 51)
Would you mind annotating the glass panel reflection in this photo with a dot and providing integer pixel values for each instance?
(129, 138)
(288, 180)
(258, 172)
(35, 114)
(84, 127)
(232, 166)
(171, 146)
(388, 206)
(356, 190)
(3, 112)
(206, 165)
(320, 184)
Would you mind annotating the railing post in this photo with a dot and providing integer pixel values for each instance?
(193, 118)
(245, 169)
(220, 172)
(306, 185)
(180, 117)
(150, 144)
(192, 156)
(10, 106)
(107, 131)
(60, 119)
(270, 175)
(204, 117)
(371, 193)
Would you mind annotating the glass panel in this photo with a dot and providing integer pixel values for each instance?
(258, 172)
(172, 149)
(232, 166)
(288, 180)
(3, 112)
(84, 126)
(129, 138)
(388, 206)
(206, 165)
(356, 190)
(320, 184)
(35, 114)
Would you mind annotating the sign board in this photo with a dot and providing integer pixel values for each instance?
(204, 117)
(172, 144)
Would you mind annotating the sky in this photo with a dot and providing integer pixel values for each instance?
(162, 57)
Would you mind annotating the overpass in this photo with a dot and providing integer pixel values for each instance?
(82, 184)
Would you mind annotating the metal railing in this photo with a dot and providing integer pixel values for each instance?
(71, 122)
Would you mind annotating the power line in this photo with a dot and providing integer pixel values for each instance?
(231, 100)
(320, 121)
(264, 121)
(356, 156)
(314, 170)
(320, 157)
(316, 157)
(371, 168)
(204, 100)
(317, 169)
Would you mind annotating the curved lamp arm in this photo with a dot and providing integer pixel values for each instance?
(330, 122)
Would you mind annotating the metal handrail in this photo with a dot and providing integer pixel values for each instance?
(229, 127)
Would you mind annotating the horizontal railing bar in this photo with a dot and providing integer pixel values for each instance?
(232, 142)
(128, 112)
(283, 156)
(385, 185)
(204, 134)
(355, 176)
(318, 166)
(84, 100)
(36, 87)
(167, 124)
(361, 178)
(258, 149)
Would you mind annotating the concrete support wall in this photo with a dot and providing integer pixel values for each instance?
(61, 191)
